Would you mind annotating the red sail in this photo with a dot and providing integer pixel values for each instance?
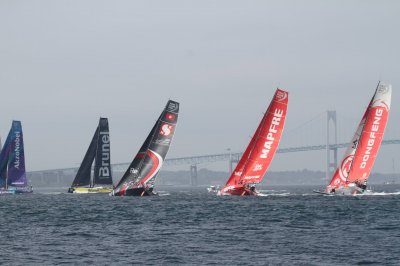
(262, 147)
(371, 137)
(359, 157)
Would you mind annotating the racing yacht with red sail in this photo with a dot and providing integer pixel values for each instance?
(352, 174)
(259, 153)
(141, 174)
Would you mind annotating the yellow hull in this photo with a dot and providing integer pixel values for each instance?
(86, 190)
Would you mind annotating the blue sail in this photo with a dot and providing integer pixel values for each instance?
(16, 161)
(12, 159)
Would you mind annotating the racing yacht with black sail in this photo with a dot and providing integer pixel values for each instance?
(259, 153)
(12, 163)
(351, 176)
(99, 152)
(141, 174)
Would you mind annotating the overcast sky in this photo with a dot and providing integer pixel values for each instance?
(63, 64)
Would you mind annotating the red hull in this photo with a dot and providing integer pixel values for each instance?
(238, 191)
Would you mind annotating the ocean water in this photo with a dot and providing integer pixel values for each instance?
(184, 226)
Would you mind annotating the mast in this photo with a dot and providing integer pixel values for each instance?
(91, 185)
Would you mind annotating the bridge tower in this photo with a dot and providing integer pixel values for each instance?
(232, 161)
(331, 139)
(193, 175)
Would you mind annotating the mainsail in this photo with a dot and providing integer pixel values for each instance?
(139, 178)
(259, 153)
(357, 162)
(98, 152)
(12, 159)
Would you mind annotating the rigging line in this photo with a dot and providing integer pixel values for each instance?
(305, 123)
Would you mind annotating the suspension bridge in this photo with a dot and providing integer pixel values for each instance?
(331, 147)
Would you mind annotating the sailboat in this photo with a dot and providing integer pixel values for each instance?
(99, 153)
(351, 176)
(12, 163)
(259, 153)
(141, 174)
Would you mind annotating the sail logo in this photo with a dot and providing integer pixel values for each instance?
(238, 173)
(173, 106)
(164, 142)
(281, 95)
(372, 137)
(104, 170)
(134, 171)
(381, 103)
(170, 117)
(166, 130)
(273, 129)
(345, 167)
(157, 162)
(383, 89)
(17, 149)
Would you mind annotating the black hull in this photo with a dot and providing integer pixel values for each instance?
(138, 192)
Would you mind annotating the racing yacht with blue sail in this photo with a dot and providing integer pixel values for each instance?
(258, 155)
(13, 178)
(141, 174)
(99, 153)
(351, 176)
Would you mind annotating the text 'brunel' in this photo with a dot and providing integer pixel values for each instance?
(276, 120)
(104, 170)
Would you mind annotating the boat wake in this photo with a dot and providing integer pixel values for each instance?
(51, 193)
(371, 193)
(267, 193)
(163, 193)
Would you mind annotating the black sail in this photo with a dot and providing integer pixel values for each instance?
(102, 165)
(98, 152)
(82, 177)
(139, 178)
